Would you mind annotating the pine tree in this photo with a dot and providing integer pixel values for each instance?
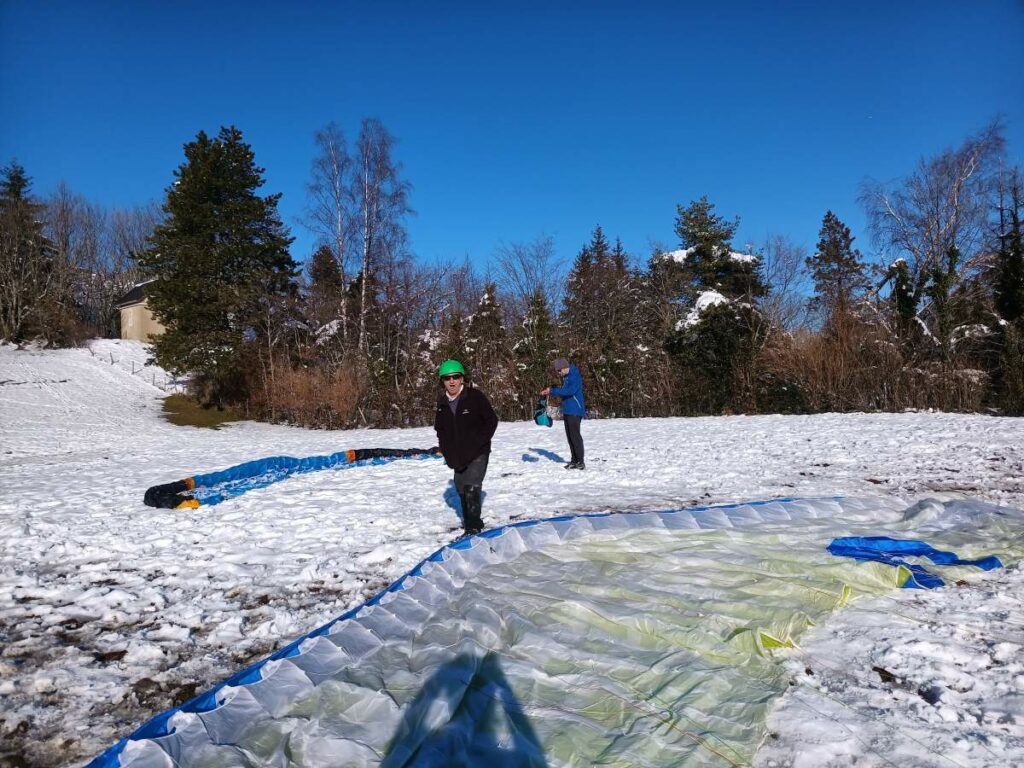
(26, 261)
(534, 348)
(592, 316)
(1008, 292)
(487, 346)
(621, 329)
(324, 274)
(714, 346)
(324, 300)
(1009, 267)
(581, 304)
(706, 239)
(219, 258)
(836, 267)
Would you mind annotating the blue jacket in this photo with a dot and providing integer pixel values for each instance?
(571, 393)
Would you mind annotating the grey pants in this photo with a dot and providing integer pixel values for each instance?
(473, 474)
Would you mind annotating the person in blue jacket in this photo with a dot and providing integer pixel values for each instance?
(573, 407)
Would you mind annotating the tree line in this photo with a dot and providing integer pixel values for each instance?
(696, 326)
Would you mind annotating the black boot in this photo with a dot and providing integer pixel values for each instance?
(464, 503)
(471, 515)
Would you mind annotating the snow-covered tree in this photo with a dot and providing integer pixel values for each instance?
(715, 343)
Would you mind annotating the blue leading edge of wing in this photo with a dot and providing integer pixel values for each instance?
(883, 549)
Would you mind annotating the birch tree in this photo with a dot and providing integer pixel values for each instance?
(381, 198)
(331, 214)
(936, 222)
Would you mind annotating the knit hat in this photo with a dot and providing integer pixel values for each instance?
(560, 364)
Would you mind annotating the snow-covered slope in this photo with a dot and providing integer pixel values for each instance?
(112, 611)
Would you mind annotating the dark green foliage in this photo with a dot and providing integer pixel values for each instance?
(903, 295)
(534, 349)
(324, 274)
(1009, 267)
(31, 301)
(1010, 374)
(325, 295)
(220, 262)
(488, 352)
(710, 262)
(836, 267)
(583, 289)
(14, 184)
(714, 348)
(942, 281)
(604, 327)
(710, 355)
(1008, 294)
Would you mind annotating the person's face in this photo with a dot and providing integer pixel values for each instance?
(564, 372)
(452, 383)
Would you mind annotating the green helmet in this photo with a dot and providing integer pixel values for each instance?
(450, 366)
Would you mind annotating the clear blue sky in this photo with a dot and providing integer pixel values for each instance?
(520, 120)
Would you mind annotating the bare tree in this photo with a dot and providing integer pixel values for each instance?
(129, 232)
(330, 213)
(526, 267)
(782, 265)
(96, 254)
(936, 219)
(381, 201)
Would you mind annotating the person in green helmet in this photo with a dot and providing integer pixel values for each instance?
(465, 423)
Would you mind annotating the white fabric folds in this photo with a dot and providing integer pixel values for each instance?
(632, 639)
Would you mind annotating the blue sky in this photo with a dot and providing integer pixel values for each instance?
(519, 119)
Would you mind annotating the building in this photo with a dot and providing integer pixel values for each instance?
(137, 322)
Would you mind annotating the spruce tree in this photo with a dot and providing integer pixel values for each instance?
(585, 314)
(1009, 266)
(487, 349)
(219, 258)
(324, 274)
(836, 268)
(323, 306)
(534, 348)
(706, 238)
(579, 304)
(26, 261)
(1008, 290)
(713, 346)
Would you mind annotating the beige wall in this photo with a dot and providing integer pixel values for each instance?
(137, 322)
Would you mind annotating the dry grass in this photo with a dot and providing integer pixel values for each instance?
(183, 411)
(315, 397)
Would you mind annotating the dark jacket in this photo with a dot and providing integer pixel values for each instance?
(467, 433)
(571, 393)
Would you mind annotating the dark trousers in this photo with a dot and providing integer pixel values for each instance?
(468, 483)
(572, 432)
(472, 474)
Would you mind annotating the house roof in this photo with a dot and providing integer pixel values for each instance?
(135, 296)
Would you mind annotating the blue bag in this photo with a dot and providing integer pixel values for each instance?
(540, 413)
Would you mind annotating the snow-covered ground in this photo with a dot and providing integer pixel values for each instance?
(111, 611)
